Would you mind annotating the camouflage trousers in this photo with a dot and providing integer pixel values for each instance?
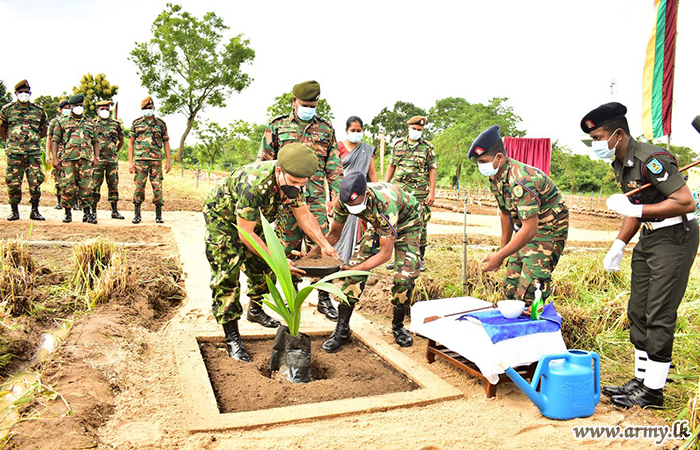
(17, 167)
(228, 256)
(289, 231)
(406, 270)
(57, 175)
(110, 171)
(77, 181)
(148, 169)
(535, 261)
(425, 215)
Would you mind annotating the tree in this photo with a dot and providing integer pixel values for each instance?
(95, 88)
(212, 138)
(392, 122)
(579, 173)
(283, 105)
(188, 67)
(50, 104)
(5, 96)
(233, 146)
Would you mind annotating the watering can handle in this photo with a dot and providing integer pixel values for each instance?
(544, 362)
(596, 379)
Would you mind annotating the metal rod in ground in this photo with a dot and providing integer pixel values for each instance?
(464, 247)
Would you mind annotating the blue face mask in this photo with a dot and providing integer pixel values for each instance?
(306, 113)
(601, 150)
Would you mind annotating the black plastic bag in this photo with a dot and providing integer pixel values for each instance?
(297, 357)
(277, 355)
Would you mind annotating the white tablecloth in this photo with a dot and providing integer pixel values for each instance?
(469, 339)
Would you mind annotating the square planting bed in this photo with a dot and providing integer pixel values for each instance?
(367, 375)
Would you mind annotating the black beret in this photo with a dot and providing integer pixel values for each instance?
(601, 115)
(483, 143)
(353, 185)
(309, 91)
(22, 84)
(77, 98)
(298, 160)
(62, 104)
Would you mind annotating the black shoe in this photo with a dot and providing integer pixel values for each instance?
(325, 306)
(88, 216)
(258, 315)
(642, 397)
(401, 335)
(69, 216)
(15, 212)
(115, 213)
(341, 334)
(391, 265)
(35, 215)
(627, 388)
(58, 201)
(137, 213)
(234, 342)
(159, 213)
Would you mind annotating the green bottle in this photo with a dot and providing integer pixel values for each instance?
(537, 304)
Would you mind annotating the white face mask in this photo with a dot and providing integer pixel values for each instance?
(104, 113)
(487, 169)
(78, 110)
(147, 112)
(23, 97)
(357, 209)
(414, 135)
(306, 113)
(601, 150)
(65, 111)
(355, 137)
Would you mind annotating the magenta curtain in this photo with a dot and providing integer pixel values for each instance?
(535, 152)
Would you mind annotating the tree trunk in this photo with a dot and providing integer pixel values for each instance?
(190, 122)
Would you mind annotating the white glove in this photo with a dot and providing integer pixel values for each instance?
(622, 205)
(611, 262)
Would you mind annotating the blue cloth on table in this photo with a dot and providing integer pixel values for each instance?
(500, 328)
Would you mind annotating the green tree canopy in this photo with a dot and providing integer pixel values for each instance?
(392, 122)
(50, 104)
(188, 66)
(233, 145)
(95, 88)
(5, 96)
(283, 105)
(579, 173)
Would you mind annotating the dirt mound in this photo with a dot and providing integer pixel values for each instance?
(317, 261)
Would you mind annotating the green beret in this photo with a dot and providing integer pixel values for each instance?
(77, 98)
(309, 91)
(104, 103)
(22, 84)
(297, 160)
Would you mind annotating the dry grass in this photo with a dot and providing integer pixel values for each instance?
(17, 275)
(100, 271)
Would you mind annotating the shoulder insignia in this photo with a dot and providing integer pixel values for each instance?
(655, 166)
(518, 191)
(281, 116)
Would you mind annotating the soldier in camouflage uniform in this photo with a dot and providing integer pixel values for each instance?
(76, 135)
(395, 216)
(22, 125)
(147, 139)
(530, 205)
(303, 126)
(64, 110)
(111, 137)
(413, 166)
(262, 188)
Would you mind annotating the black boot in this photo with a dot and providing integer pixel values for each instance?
(69, 216)
(341, 334)
(234, 343)
(115, 213)
(159, 213)
(76, 206)
(258, 315)
(422, 259)
(401, 335)
(34, 215)
(15, 212)
(58, 201)
(137, 213)
(94, 210)
(627, 388)
(87, 215)
(325, 306)
(642, 397)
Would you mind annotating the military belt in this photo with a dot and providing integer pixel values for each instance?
(651, 226)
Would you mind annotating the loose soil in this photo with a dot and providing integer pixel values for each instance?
(317, 261)
(354, 371)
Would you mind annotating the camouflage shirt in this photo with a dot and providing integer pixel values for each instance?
(24, 124)
(109, 132)
(317, 134)
(249, 191)
(413, 164)
(149, 136)
(76, 134)
(390, 210)
(52, 126)
(525, 191)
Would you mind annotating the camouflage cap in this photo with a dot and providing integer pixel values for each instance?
(62, 104)
(297, 160)
(22, 84)
(77, 98)
(146, 101)
(308, 91)
(417, 120)
(104, 103)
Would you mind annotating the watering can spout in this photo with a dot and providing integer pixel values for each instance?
(524, 386)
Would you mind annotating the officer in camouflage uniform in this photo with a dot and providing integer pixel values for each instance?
(147, 139)
(663, 257)
(262, 188)
(64, 110)
(413, 166)
(304, 126)
(111, 137)
(76, 135)
(530, 205)
(395, 216)
(22, 125)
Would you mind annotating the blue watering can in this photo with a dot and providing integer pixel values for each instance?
(569, 387)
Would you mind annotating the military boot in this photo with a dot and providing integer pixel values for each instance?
(69, 216)
(325, 306)
(401, 335)
(258, 315)
(35, 215)
(58, 201)
(159, 213)
(341, 334)
(88, 216)
(643, 397)
(115, 213)
(15, 212)
(137, 213)
(422, 259)
(234, 342)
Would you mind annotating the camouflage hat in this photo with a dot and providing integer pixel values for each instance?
(62, 104)
(417, 120)
(297, 160)
(22, 84)
(77, 98)
(308, 91)
(104, 103)
(146, 101)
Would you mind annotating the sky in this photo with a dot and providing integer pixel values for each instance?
(553, 59)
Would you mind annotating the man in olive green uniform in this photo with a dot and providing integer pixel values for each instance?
(662, 259)
(22, 125)
(147, 139)
(395, 216)
(76, 135)
(413, 166)
(111, 137)
(532, 206)
(64, 110)
(304, 126)
(262, 188)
